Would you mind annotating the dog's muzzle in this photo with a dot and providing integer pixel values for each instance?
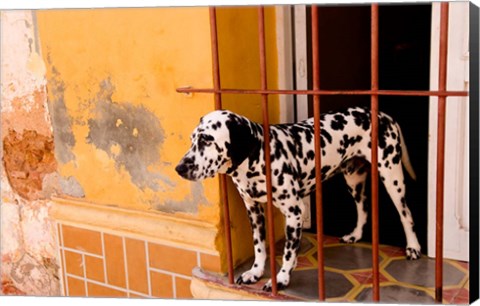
(181, 169)
(185, 168)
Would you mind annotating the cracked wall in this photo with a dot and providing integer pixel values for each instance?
(29, 264)
(91, 111)
(119, 125)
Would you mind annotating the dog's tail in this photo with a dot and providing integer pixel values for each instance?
(405, 157)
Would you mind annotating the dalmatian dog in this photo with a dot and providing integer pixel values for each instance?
(224, 142)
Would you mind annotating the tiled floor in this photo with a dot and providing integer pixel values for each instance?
(348, 275)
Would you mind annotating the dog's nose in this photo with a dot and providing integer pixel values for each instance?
(181, 169)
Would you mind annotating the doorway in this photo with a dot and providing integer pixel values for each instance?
(404, 64)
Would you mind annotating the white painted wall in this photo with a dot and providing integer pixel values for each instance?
(22, 67)
(456, 195)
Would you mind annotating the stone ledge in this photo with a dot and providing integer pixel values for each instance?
(212, 286)
(155, 227)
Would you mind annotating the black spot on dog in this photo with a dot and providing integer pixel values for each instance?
(396, 159)
(289, 232)
(295, 210)
(279, 150)
(338, 123)
(308, 136)
(362, 119)
(311, 155)
(325, 134)
(387, 151)
(296, 244)
(292, 148)
(324, 171)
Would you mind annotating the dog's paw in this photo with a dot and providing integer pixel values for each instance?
(349, 239)
(412, 253)
(268, 286)
(248, 278)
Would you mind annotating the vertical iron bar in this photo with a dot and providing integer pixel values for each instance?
(374, 146)
(318, 154)
(442, 85)
(223, 177)
(266, 132)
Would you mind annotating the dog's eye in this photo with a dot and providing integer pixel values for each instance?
(205, 138)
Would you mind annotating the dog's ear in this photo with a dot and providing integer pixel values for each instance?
(242, 141)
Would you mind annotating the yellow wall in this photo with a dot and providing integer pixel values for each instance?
(240, 61)
(240, 68)
(119, 125)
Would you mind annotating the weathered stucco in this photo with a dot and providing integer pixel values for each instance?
(111, 126)
(27, 158)
(112, 78)
(64, 139)
(28, 247)
(131, 135)
(119, 125)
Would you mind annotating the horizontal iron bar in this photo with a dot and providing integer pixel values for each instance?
(325, 92)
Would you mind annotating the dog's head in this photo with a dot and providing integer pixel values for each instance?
(220, 143)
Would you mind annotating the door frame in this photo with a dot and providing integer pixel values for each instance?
(456, 193)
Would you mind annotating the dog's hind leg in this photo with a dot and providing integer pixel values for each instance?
(393, 180)
(293, 212)
(256, 216)
(355, 174)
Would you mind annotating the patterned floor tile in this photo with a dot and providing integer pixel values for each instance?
(421, 272)
(348, 257)
(348, 271)
(365, 277)
(449, 295)
(305, 284)
(391, 251)
(396, 294)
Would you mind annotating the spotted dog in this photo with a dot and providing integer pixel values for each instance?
(224, 142)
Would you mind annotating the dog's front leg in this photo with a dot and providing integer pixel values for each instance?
(293, 237)
(256, 216)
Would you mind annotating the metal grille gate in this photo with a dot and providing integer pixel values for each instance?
(442, 93)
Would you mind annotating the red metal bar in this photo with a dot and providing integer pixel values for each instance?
(318, 155)
(223, 177)
(422, 93)
(442, 85)
(442, 93)
(266, 133)
(215, 60)
(374, 158)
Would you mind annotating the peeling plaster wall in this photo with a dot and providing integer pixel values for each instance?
(28, 240)
(112, 127)
(119, 125)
